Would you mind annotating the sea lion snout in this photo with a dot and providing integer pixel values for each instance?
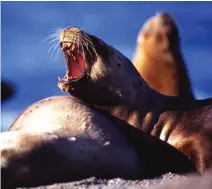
(162, 26)
(70, 33)
(165, 17)
(77, 48)
(72, 38)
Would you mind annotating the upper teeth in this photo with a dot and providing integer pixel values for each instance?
(73, 57)
(69, 52)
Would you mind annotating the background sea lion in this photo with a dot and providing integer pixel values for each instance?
(102, 76)
(158, 58)
(62, 138)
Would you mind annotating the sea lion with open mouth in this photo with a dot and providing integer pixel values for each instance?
(158, 58)
(110, 82)
(94, 67)
(62, 138)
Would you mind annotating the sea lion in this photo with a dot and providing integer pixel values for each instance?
(62, 138)
(92, 65)
(100, 75)
(158, 58)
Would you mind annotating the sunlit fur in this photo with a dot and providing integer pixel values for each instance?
(158, 58)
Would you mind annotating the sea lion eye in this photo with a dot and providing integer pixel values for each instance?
(159, 36)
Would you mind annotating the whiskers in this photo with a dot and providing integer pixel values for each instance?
(54, 40)
(88, 43)
(80, 40)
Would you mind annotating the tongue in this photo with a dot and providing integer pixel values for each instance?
(77, 66)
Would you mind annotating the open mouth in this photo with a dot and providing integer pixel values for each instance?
(75, 63)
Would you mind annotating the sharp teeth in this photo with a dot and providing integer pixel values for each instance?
(73, 47)
(74, 57)
(69, 52)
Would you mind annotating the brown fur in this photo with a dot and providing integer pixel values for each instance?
(159, 60)
(190, 132)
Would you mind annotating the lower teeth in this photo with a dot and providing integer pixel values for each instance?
(64, 79)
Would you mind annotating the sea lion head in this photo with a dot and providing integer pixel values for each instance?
(94, 67)
(159, 32)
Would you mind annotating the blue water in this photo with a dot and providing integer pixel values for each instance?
(25, 58)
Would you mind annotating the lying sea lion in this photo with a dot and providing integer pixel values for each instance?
(158, 58)
(100, 75)
(62, 139)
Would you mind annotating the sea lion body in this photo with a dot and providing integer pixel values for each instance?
(158, 58)
(190, 132)
(69, 140)
(117, 88)
(62, 138)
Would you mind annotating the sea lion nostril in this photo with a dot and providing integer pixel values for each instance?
(65, 46)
